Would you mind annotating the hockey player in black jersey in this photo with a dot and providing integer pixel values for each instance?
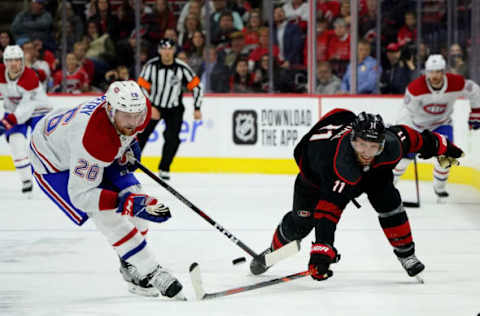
(340, 158)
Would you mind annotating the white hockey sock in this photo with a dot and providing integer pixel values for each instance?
(18, 146)
(440, 176)
(127, 240)
(400, 169)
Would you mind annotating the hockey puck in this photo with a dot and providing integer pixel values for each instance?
(239, 260)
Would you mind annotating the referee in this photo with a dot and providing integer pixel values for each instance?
(162, 79)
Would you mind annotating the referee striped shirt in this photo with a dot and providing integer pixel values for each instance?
(162, 84)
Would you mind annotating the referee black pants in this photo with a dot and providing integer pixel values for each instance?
(173, 118)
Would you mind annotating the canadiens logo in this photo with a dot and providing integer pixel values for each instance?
(435, 109)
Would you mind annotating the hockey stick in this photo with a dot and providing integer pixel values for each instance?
(200, 293)
(417, 203)
(271, 258)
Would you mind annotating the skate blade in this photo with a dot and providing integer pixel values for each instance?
(442, 200)
(419, 278)
(148, 292)
(28, 195)
(180, 297)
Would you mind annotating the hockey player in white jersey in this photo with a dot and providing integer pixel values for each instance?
(25, 103)
(82, 160)
(428, 104)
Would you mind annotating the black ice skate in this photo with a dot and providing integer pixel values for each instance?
(413, 266)
(27, 188)
(135, 285)
(166, 283)
(440, 193)
(257, 266)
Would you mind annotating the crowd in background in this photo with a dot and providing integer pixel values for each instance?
(101, 43)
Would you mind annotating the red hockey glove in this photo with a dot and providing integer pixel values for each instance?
(321, 256)
(7, 123)
(143, 206)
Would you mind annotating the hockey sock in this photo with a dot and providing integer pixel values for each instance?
(18, 146)
(440, 176)
(279, 239)
(396, 228)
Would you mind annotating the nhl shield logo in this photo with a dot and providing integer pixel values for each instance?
(245, 127)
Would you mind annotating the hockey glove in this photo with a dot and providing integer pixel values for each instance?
(474, 119)
(131, 156)
(143, 206)
(435, 144)
(5, 125)
(321, 256)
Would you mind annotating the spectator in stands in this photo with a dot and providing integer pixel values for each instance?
(456, 60)
(119, 73)
(236, 49)
(345, 11)
(225, 27)
(338, 52)
(367, 71)
(253, 25)
(397, 75)
(220, 7)
(328, 9)
(243, 7)
(241, 80)
(76, 79)
(185, 38)
(159, 21)
(41, 67)
(5, 40)
(106, 21)
(323, 37)
(215, 74)
(327, 82)
(195, 56)
(408, 32)
(100, 48)
(195, 7)
(126, 18)
(296, 10)
(80, 51)
(282, 81)
(70, 38)
(45, 54)
(76, 23)
(289, 37)
(34, 20)
(262, 48)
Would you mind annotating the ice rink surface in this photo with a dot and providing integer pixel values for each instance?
(49, 266)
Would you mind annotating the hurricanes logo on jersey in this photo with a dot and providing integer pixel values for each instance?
(435, 109)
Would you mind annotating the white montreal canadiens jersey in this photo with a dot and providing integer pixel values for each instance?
(426, 108)
(81, 141)
(24, 97)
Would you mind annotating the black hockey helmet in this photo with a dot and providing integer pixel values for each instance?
(369, 127)
(166, 43)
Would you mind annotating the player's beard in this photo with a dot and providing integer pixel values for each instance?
(126, 131)
(364, 160)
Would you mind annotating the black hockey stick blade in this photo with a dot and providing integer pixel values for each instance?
(411, 204)
(200, 293)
